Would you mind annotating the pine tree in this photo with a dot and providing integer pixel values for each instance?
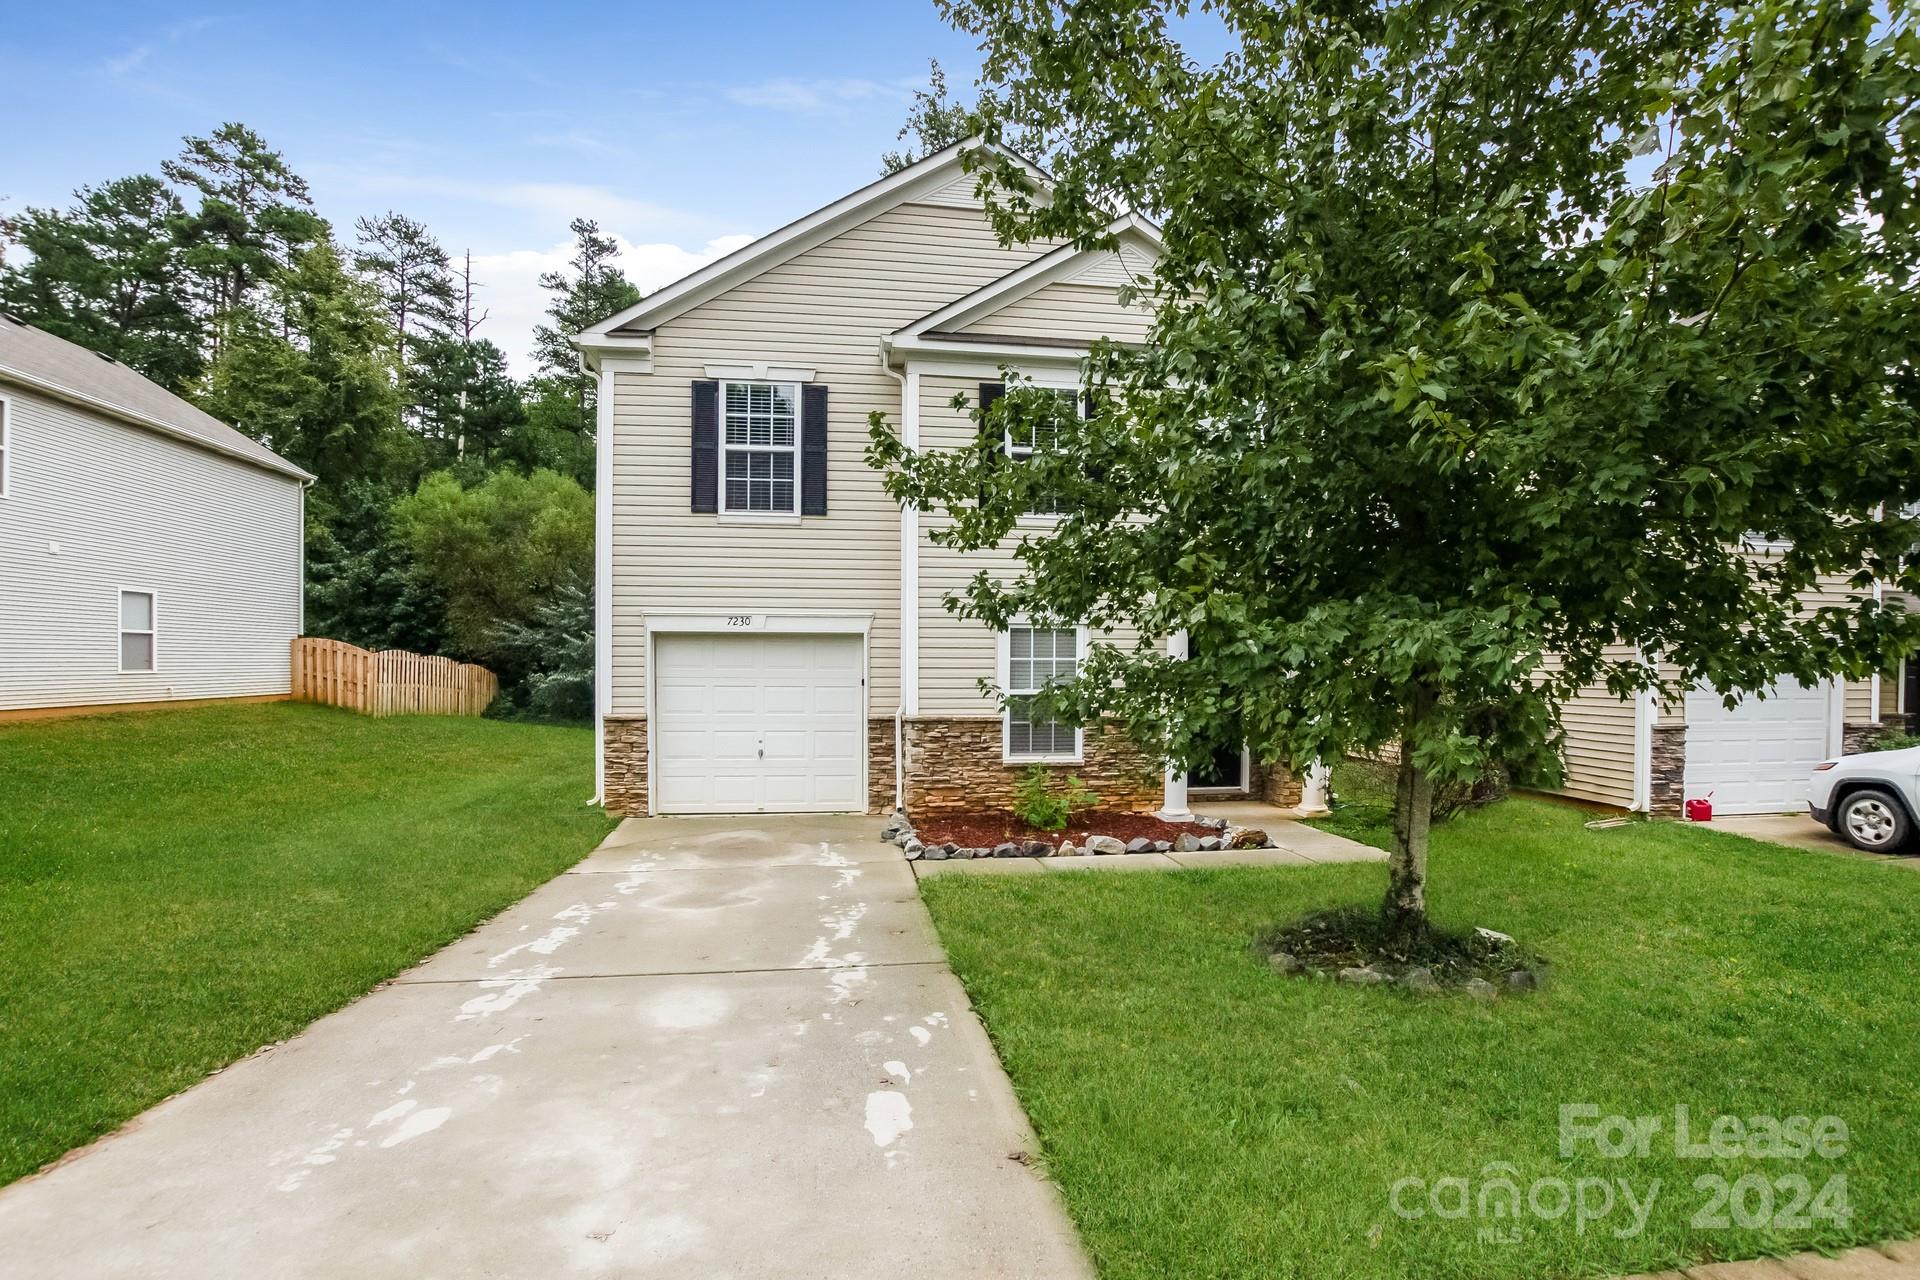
(107, 274)
(413, 275)
(254, 218)
(562, 405)
(315, 381)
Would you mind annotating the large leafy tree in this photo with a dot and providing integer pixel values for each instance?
(936, 120)
(107, 273)
(1486, 332)
(498, 551)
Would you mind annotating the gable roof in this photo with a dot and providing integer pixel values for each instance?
(1062, 264)
(35, 359)
(933, 176)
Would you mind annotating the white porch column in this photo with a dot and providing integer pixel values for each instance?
(1313, 791)
(1173, 801)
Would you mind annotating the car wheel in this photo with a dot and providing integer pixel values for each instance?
(1874, 821)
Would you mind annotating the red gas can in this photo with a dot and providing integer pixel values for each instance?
(1700, 810)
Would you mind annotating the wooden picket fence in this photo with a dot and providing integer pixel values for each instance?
(391, 682)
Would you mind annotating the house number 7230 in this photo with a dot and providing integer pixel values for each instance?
(740, 620)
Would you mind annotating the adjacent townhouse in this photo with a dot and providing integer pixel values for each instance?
(771, 634)
(148, 552)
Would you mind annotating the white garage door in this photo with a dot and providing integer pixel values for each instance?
(1757, 757)
(759, 724)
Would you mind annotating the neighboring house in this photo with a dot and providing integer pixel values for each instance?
(148, 551)
(771, 634)
(1754, 758)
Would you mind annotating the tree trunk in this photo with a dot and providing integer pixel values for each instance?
(1405, 909)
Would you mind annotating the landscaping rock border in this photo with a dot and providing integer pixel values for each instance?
(899, 830)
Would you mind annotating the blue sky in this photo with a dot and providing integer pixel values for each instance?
(684, 128)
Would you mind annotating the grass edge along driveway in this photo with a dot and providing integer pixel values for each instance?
(1205, 1117)
(179, 888)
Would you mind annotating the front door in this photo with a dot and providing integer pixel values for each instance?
(1225, 770)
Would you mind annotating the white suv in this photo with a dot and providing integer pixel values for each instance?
(1868, 800)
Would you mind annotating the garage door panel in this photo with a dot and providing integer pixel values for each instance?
(759, 723)
(1757, 756)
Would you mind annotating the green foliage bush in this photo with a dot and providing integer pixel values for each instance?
(1038, 805)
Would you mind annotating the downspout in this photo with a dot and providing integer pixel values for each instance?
(909, 616)
(602, 570)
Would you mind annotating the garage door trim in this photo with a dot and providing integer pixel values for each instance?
(758, 622)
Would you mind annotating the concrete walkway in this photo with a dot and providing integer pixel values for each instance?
(1896, 1260)
(1295, 845)
(712, 1049)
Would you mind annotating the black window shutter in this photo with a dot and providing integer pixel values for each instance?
(706, 446)
(813, 449)
(993, 448)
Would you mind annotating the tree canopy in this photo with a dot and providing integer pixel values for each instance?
(1499, 350)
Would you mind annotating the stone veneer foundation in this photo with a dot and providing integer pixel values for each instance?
(952, 765)
(626, 756)
(1667, 796)
(955, 765)
(880, 777)
(1865, 735)
(625, 794)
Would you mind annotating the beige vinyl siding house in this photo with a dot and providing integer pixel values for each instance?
(771, 626)
(798, 655)
(148, 552)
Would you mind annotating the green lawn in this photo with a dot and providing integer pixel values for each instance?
(1207, 1118)
(179, 888)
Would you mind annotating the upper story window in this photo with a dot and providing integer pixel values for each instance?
(759, 446)
(137, 631)
(6, 443)
(1025, 439)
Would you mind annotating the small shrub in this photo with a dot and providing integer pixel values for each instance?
(1895, 742)
(1039, 806)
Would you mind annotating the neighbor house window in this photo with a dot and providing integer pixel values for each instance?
(1025, 439)
(1037, 657)
(6, 443)
(759, 445)
(136, 631)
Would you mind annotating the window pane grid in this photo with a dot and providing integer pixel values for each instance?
(1037, 657)
(761, 428)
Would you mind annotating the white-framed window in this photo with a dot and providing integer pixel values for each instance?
(139, 631)
(1032, 658)
(1025, 439)
(6, 442)
(760, 448)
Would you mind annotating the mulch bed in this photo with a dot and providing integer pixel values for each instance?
(1347, 939)
(994, 826)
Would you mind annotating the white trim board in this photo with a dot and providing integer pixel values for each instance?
(748, 621)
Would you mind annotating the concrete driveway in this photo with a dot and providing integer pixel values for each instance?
(714, 1048)
(1802, 832)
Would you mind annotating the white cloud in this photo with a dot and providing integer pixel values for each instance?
(515, 303)
(818, 97)
(557, 202)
